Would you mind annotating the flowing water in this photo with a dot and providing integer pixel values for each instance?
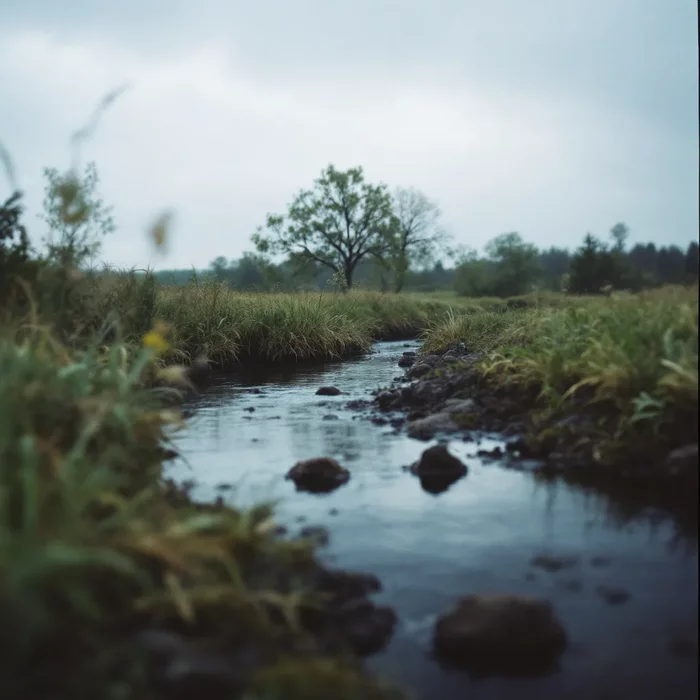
(478, 536)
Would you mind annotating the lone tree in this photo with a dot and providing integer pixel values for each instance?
(418, 238)
(619, 234)
(338, 223)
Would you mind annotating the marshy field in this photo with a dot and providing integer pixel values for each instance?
(492, 497)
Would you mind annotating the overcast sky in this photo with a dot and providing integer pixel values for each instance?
(547, 117)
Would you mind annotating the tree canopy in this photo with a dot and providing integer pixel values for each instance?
(339, 222)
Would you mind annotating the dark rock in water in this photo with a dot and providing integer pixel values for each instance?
(431, 360)
(428, 428)
(328, 391)
(553, 564)
(367, 627)
(495, 453)
(438, 469)
(407, 361)
(612, 595)
(358, 404)
(318, 475)
(250, 409)
(427, 391)
(316, 533)
(410, 353)
(379, 420)
(330, 416)
(418, 370)
(386, 399)
(254, 390)
(500, 635)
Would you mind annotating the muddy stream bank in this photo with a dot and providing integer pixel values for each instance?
(624, 588)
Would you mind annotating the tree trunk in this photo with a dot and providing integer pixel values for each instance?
(349, 270)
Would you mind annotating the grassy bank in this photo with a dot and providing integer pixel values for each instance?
(613, 378)
(97, 552)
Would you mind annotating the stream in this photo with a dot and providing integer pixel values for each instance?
(479, 536)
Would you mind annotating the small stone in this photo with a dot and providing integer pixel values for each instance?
(500, 634)
(419, 370)
(330, 416)
(316, 533)
(407, 361)
(328, 391)
(318, 475)
(250, 409)
(428, 428)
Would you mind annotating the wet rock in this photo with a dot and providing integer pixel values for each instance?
(438, 460)
(455, 406)
(410, 353)
(612, 595)
(407, 360)
(328, 391)
(553, 564)
(438, 469)
(333, 511)
(254, 390)
(250, 409)
(379, 420)
(428, 391)
(318, 475)
(386, 399)
(417, 414)
(500, 635)
(419, 370)
(330, 416)
(495, 453)
(358, 404)
(427, 428)
(316, 533)
(367, 627)
(431, 360)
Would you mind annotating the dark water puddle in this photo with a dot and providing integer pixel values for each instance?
(480, 535)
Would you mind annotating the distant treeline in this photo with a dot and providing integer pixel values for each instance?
(508, 267)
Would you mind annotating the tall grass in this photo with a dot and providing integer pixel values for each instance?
(632, 360)
(231, 326)
(94, 547)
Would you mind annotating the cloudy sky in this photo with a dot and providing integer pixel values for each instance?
(549, 117)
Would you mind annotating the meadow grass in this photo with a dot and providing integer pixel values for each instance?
(629, 359)
(230, 327)
(95, 546)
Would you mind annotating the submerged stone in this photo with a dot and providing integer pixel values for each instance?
(500, 634)
(437, 469)
(328, 391)
(318, 475)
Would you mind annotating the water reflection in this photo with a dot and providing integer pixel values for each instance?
(478, 535)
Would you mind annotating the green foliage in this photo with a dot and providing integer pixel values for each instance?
(594, 269)
(630, 361)
(76, 215)
(338, 223)
(512, 268)
(95, 547)
(15, 259)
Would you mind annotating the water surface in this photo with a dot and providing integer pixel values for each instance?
(479, 536)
